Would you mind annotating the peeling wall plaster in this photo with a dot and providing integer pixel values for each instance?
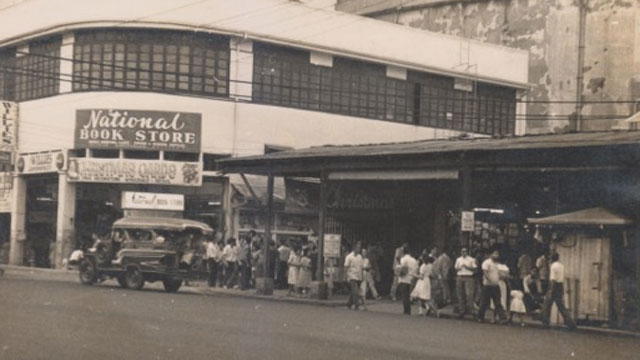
(549, 30)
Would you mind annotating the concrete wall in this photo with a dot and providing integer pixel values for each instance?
(548, 29)
(228, 127)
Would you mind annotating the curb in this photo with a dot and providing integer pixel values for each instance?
(72, 276)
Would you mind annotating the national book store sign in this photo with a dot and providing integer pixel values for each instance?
(129, 171)
(138, 129)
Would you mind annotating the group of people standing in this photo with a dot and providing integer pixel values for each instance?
(480, 282)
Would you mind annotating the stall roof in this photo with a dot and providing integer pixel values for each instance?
(431, 148)
(592, 216)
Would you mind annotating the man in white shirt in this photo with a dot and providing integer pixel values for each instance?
(230, 256)
(465, 268)
(408, 270)
(556, 293)
(284, 252)
(353, 266)
(491, 288)
(213, 255)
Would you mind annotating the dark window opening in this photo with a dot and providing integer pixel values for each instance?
(181, 156)
(105, 153)
(141, 154)
(209, 161)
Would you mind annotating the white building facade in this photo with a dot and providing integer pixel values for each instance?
(119, 98)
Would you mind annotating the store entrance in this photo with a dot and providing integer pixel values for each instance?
(41, 217)
(5, 234)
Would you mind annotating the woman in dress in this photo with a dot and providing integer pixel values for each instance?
(304, 274)
(422, 290)
(294, 269)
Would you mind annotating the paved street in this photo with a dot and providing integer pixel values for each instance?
(64, 320)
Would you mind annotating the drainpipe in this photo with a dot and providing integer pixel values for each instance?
(582, 22)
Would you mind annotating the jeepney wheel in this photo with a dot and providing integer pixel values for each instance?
(133, 278)
(87, 272)
(172, 285)
(122, 281)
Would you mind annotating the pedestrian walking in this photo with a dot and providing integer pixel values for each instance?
(294, 270)
(353, 265)
(399, 253)
(213, 255)
(542, 264)
(368, 283)
(282, 265)
(304, 275)
(422, 290)
(442, 270)
(244, 264)
(230, 256)
(491, 287)
(407, 271)
(556, 293)
(465, 267)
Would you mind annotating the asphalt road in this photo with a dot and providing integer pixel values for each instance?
(63, 320)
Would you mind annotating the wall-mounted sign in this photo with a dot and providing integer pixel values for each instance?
(8, 125)
(138, 129)
(467, 221)
(5, 158)
(129, 171)
(342, 197)
(332, 244)
(42, 162)
(6, 187)
(152, 201)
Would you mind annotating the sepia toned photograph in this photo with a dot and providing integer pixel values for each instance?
(319, 179)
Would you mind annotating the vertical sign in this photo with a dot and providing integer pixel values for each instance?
(8, 125)
(332, 246)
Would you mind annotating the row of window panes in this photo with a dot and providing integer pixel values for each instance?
(286, 77)
(37, 74)
(164, 61)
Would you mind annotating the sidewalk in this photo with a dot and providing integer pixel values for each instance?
(337, 300)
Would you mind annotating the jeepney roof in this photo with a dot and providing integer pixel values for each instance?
(163, 223)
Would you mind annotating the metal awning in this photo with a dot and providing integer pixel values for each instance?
(592, 216)
(435, 174)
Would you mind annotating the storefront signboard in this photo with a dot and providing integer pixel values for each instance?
(332, 244)
(6, 187)
(467, 222)
(41, 162)
(130, 171)
(138, 129)
(8, 125)
(152, 201)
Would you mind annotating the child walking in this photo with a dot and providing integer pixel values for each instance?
(422, 290)
(304, 274)
(517, 306)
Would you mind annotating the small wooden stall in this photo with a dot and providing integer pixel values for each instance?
(584, 240)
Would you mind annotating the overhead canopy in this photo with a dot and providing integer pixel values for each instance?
(580, 150)
(592, 216)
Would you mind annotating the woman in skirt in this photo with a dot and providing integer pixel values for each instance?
(422, 290)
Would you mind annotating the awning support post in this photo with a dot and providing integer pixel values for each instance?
(323, 290)
(465, 239)
(264, 285)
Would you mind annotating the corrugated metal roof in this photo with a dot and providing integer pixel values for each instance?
(571, 140)
(279, 21)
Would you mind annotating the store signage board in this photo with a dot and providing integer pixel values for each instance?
(467, 221)
(8, 125)
(152, 201)
(42, 162)
(138, 129)
(332, 245)
(6, 187)
(130, 171)
(5, 157)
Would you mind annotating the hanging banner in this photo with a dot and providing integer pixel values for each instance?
(8, 125)
(42, 162)
(152, 201)
(130, 171)
(138, 129)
